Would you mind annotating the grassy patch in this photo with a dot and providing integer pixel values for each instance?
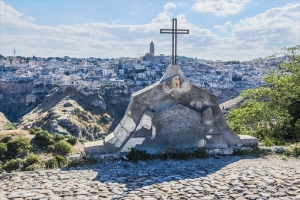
(293, 150)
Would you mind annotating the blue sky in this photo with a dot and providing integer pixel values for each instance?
(219, 29)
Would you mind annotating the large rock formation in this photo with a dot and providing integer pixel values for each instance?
(67, 111)
(171, 114)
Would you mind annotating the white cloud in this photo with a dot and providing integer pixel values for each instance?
(182, 4)
(169, 6)
(220, 7)
(29, 18)
(116, 21)
(270, 27)
(271, 30)
(249, 38)
(94, 39)
(224, 27)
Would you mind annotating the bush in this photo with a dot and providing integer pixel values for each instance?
(34, 130)
(135, 155)
(179, 154)
(293, 150)
(32, 159)
(58, 137)
(18, 147)
(13, 165)
(3, 149)
(63, 147)
(10, 126)
(33, 167)
(43, 138)
(71, 139)
(51, 163)
(61, 160)
(51, 148)
(201, 153)
(6, 139)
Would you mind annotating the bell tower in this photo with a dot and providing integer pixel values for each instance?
(151, 48)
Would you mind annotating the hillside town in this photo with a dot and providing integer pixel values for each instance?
(93, 73)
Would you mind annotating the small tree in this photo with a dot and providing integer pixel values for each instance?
(32, 159)
(51, 163)
(3, 149)
(71, 139)
(18, 147)
(34, 130)
(43, 138)
(6, 139)
(13, 165)
(60, 160)
(63, 147)
(272, 112)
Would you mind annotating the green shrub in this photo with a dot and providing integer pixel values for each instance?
(33, 167)
(34, 130)
(63, 147)
(201, 153)
(13, 165)
(293, 150)
(179, 154)
(6, 139)
(61, 160)
(32, 159)
(51, 148)
(51, 163)
(1, 165)
(18, 147)
(3, 149)
(58, 137)
(43, 138)
(241, 152)
(71, 139)
(135, 155)
(82, 161)
(10, 126)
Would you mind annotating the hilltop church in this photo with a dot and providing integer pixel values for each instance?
(150, 56)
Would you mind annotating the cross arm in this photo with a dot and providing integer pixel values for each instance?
(177, 31)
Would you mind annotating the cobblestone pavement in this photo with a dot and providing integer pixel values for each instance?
(228, 177)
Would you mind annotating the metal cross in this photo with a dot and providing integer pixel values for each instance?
(174, 31)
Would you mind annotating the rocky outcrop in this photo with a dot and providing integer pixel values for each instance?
(17, 99)
(61, 113)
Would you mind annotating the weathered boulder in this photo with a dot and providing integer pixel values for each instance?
(171, 114)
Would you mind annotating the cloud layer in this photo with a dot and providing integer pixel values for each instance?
(249, 38)
(220, 7)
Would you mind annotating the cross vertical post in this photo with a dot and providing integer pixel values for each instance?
(174, 31)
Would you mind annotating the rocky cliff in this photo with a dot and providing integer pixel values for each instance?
(83, 113)
(18, 99)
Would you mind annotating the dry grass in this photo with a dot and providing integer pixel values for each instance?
(3, 121)
(15, 133)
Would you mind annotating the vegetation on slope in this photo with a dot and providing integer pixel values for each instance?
(43, 150)
(272, 113)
